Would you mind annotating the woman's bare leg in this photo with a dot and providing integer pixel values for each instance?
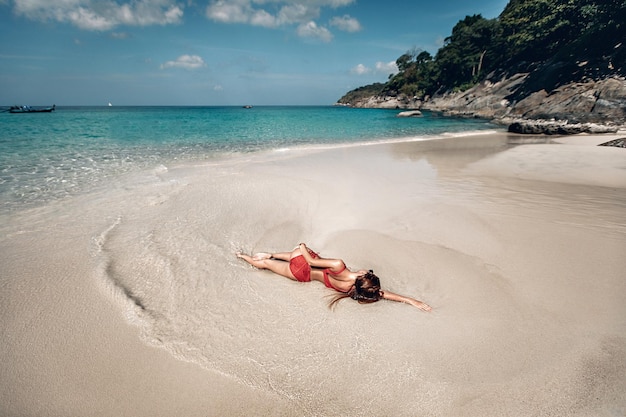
(285, 256)
(276, 266)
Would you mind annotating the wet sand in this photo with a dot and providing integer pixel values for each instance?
(129, 300)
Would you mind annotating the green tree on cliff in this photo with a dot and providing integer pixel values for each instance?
(465, 56)
(528, 34)
(468, 52)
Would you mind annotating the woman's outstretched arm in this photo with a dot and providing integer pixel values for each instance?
(388, 295)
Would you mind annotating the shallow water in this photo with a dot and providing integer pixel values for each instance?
(49, 156)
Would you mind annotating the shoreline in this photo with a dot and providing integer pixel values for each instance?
(219, 157)
(485, 239)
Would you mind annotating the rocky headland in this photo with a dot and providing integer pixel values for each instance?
(590, 106)
(555, 67)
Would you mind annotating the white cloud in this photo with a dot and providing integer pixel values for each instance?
(119, 35)
(263, 18)
(186, 62)
(104, 15)
(100, 15)
(243, 11)
(88, 19)
(360, 70)
(386, 67)
(323, 3)
(380, 68)
(346, 23)
(277, 13)
(230, 11)
(311, 30)
(218, 87)
(297, 13)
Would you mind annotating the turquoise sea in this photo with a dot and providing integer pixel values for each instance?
(49, 156)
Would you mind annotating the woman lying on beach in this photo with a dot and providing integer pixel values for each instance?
(304, 265)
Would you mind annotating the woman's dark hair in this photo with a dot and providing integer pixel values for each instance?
(366, 289)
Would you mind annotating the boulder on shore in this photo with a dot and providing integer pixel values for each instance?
(618, 143)
(553, 127)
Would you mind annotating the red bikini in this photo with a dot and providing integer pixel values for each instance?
(327, 272)
(301, 270)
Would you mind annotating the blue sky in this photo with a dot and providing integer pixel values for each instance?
(212, 52)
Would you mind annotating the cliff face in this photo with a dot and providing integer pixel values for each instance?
(594, 101)
(384, 102)
(602, 101)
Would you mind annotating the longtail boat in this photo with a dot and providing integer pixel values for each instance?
(28, 109)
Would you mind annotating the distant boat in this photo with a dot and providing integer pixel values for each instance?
(247, 106)
(110, 105)
(28, 109)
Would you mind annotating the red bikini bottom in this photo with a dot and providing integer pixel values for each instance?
(300, 268)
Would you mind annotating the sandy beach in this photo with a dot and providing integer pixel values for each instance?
(129, 301)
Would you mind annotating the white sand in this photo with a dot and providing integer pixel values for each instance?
(520, 251)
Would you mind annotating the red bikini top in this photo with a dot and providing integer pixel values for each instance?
(327, 272)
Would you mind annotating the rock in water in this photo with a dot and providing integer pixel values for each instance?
(411, 113)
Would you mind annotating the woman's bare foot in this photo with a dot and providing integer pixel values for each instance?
(246, 258)
(261, 255)
(257, 263)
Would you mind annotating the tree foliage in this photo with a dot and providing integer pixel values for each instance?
(537, 29)
(363, 92)
(528, 34)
